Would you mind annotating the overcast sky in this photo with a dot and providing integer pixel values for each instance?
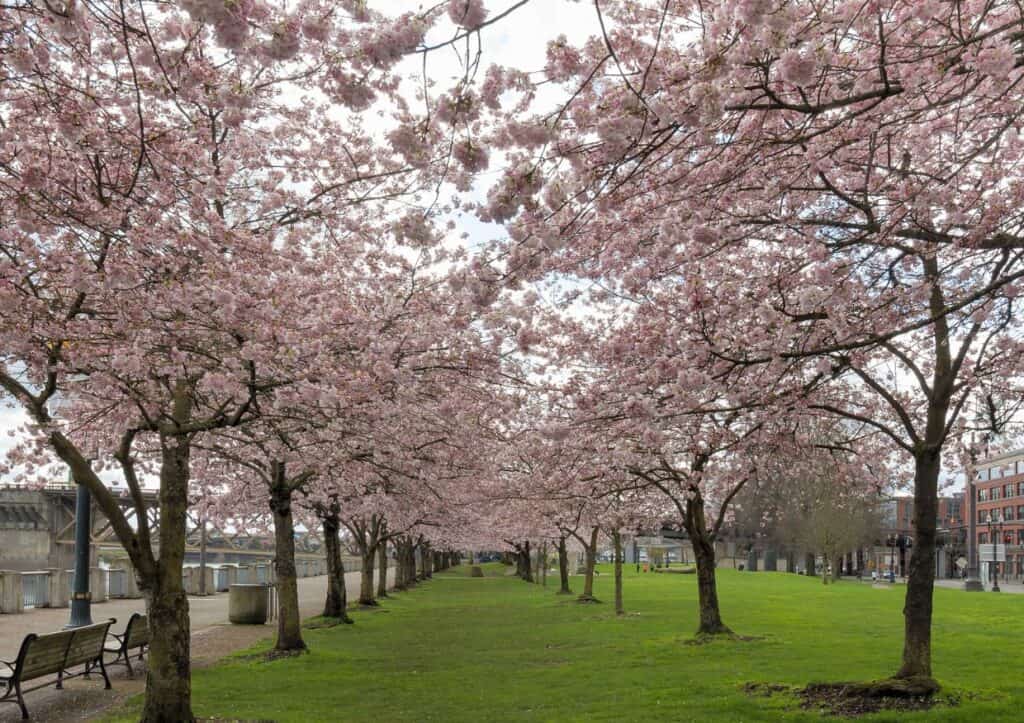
(519, 40)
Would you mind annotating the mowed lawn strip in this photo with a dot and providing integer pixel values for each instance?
(499, 649)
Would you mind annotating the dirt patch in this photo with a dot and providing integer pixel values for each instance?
(269, 656)
(214, 643)
(322, 622)
(587, 600)
(707, 638)
(849, 700)
(855, 699)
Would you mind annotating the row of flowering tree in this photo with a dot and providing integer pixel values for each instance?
(230, 280)
(822, 196)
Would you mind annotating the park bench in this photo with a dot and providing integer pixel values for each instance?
(53, 653)
(135, 635)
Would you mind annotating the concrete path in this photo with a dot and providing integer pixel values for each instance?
(1013, 588)
(212, 638)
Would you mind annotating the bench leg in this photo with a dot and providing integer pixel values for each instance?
(103, 670)
(21, 701)
(128, 663)
(60, 680)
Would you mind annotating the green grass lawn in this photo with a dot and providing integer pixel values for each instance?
(498, 649)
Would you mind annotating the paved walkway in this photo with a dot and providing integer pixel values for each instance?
(1013, 588)
(213, 637)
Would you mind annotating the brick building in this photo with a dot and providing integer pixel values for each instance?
(892, 551)
(999, 491)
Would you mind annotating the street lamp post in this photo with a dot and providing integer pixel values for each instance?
(995, 532)
(81, 597)
(973, 581)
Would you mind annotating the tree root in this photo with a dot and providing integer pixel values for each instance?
(852, 699)
(587, 600)
(857, 698)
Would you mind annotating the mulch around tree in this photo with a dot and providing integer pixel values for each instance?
(850, 700)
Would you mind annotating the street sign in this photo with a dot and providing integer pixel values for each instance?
(986, 553)
(961, 562)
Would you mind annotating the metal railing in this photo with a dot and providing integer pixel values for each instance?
(35, 589)
(221, 576)
(116, 582)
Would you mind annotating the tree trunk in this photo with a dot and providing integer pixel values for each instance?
(169, 678)
(704, 553)
(369, 553)
(810, 560)
(425, 560)
(401, 570)
(527, 563)
(382, 569)
(536, 569)
(917, 608)
(336, 604)
(824, 569)
(289, 625)
(544, 564)
(617, 541)
(168, 675)
(410, 563)
(563, 567)
(588, 576)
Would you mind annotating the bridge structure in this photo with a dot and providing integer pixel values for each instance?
(37, 532)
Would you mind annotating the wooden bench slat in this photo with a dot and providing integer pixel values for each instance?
(138, 632)
(45, 655)
(85, 646)
(55, 653)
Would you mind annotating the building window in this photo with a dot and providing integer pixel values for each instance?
(1008, 513)
(1020, 488)
(995, 491)
(996, 473)
(983, 495)
(983, 475)
(982, 538)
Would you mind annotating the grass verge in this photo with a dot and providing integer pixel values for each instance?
(499, 649)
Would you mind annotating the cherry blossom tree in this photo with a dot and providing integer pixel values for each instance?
(163, 169)
(828, 189)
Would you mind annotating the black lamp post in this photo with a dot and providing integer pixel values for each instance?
(995, 534)
(81, 598)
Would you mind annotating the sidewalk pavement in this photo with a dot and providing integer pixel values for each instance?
(1013, 588)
